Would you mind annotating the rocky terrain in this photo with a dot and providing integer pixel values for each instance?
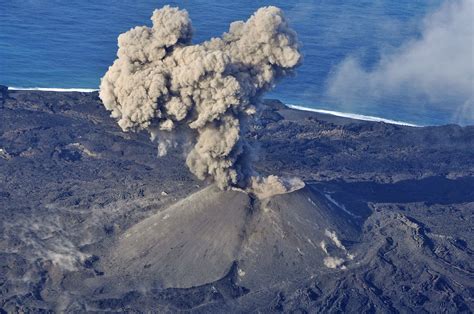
(93, 220)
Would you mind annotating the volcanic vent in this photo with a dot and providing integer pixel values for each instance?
(197, 240)
(274, 229)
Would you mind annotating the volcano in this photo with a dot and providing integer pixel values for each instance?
(198, 239)
(92, 220)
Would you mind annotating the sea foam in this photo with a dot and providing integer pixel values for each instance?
(53, 89)
(354, 116)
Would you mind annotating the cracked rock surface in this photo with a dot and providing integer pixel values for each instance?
(92, 220)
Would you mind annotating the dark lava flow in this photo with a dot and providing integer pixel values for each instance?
(384, 223)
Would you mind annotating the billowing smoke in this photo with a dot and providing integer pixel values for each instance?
(162, 83)
(436, 69)
(272, 185)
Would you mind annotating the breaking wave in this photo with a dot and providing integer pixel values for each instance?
(354, 116)
(54, 89)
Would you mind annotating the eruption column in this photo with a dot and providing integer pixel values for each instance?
(162, 83)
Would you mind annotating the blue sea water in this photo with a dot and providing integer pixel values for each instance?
(71, 43)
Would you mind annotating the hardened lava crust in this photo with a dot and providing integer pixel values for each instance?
(93, 220)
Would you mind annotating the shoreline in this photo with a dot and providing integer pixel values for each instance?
(53, 89)
(95, 189)
(354, 116)
(348, 115)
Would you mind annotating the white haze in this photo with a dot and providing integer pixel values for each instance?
(436, 69)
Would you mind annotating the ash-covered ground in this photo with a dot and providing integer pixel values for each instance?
(93, 220)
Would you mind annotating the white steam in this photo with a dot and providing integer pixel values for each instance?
(272, 185)
(163, 84)
(438, 67)
(335, 261)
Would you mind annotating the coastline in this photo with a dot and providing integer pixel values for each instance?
(354, 116)
(348, 115)
(88, 184)
(53, 89)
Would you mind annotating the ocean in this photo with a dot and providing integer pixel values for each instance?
(360, 56)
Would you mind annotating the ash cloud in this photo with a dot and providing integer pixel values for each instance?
(436, 69)
(162, 83)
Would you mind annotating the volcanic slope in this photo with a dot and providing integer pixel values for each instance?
(190, 243)
(392, 219)
(197, 240)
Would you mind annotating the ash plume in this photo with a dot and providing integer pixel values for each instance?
(162, 83)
